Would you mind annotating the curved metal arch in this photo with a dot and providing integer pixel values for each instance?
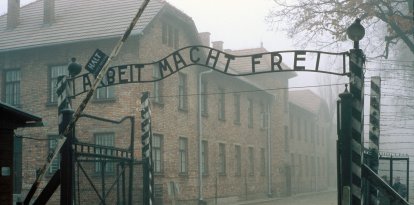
(208, 57)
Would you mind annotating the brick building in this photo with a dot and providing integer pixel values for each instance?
(310, 143)
(241, 123)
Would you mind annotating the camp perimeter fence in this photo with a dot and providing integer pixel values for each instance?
(391, 180)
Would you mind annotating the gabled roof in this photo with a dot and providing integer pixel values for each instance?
(18, 117)
(307, 100)
(244, 64)
(75, 21)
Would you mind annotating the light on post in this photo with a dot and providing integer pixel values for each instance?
(356, 32)
(74, 68)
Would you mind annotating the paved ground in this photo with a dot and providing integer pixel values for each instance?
(322, 198)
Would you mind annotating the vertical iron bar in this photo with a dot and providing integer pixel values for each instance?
(391, 172)
(338, 171)
(103, 165)
(123, 183)
(117, 186)
(345, 142)
(65, 115)
(131, 162)
(356, 60)
(408, 177)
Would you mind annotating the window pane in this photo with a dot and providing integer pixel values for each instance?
(105, 92)
(183, 154)
(55, 165)
(176, 39)
(250, 113)
(55, 72)
(204, 157)
(222, 158)
(251, 161)
(262, 161)
(203, 97)
(221, 104)
(238, 160)
(12, 87)
(156, 75)
(182, 91)
(237, 108)
(105, 139)
(157, 152)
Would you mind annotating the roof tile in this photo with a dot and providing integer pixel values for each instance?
(76, 20)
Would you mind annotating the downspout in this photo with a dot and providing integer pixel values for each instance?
(269, 152)
(200, 137)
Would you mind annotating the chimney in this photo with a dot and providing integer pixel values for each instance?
(218, 45)
(13, 13)
(48, 11)
(205, 38)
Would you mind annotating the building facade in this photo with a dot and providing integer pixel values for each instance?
(215, 138)
(309, 143)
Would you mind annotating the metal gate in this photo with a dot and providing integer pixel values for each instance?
(105, 168)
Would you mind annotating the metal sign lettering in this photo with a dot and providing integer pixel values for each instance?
(303, 60)
(96, 62)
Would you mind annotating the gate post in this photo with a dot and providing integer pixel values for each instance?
(356, 60)
(345, 148)
(146, 137)
(65, 114)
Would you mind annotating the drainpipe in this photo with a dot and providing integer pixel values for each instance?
(269, 152)
(200, 138)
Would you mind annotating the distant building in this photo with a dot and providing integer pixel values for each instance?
(310, 142)
(244, 121)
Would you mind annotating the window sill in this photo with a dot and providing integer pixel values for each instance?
(104, 100)
(160, 174)
(158, 103)
(98, 174)
(51, 104)
(183, 174)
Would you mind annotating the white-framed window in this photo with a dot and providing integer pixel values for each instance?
(12, 87)
(222, 159)
(183, 155)
(237, 108)
(54, 73)
(251, 161)
(204, 94)
(157, 85)
(170, 35)
(221, 104)
(157, 152)
(204, 157)
(105, 93)
(250, 113)
(263, 116)
(182, 91)
(105, 139)
(237, 159)
(262, 162)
